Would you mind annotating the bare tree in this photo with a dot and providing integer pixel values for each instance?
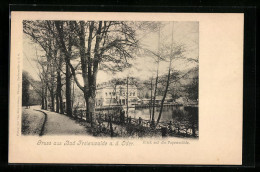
(44, 33)
(42, 36)
(176, 52)
(101, 44)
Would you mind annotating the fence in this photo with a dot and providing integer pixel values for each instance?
(177, 128)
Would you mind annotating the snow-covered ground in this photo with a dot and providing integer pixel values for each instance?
(59, 124)
(32, 121)
(56, 124)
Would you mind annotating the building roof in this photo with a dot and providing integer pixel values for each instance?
(110, 86)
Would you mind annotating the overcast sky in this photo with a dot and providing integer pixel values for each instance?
(185, 33)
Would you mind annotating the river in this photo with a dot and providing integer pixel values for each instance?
(169, 113)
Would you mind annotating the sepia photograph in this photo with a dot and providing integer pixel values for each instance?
(126, 88)
(110, 78)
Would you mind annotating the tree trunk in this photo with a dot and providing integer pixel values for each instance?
(46, 103)
(156, 80)
(57, 95)
(193, 130)
(90, 110)
(154, 96)
(42, 107)
(93, 78)
(151, 98)
(57, 102)
(87, 107)
(89, 77)
(69, 68)
(167, 84)
(111, 127)
(127, 97)
(73, 95)
(45, 97)
(68, 91)
(42, 97)
(60, 101)
(164, 96)
(52, 100)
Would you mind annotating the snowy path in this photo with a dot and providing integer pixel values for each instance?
(58, 124)
(32, 121)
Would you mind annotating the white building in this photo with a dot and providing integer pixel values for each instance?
(110, 95)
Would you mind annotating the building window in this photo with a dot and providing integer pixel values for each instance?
(133, 93)
(130, 94)
(106, 94)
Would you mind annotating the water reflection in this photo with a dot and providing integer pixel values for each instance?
(168, 112)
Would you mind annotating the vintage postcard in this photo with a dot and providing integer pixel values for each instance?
(126, 88)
